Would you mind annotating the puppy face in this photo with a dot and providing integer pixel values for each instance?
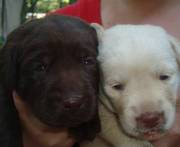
(51, 64)
(140, 76)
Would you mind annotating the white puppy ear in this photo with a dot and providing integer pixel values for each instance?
(99, 30)
(106, 101)
(176, 47)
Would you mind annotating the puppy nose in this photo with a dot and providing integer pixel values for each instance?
(74, 102)
(150, 120)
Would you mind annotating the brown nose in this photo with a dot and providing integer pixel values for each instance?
(73, 103)
(150, 120)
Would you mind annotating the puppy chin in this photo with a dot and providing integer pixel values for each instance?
(66, 117)
(66, 121)
(150, 135)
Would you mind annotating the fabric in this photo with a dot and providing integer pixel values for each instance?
(88, 10)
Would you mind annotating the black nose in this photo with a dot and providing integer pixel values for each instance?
(73, 102)
(150, 120)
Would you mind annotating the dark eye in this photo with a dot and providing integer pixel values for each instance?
(88, 60)
(118, 87)
(40, 67)
(164, 77)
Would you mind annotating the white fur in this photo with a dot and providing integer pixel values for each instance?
(135, 56)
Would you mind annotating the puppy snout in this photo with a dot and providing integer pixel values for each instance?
(150, 120)
(73, 102)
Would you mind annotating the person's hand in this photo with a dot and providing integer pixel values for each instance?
(37, 134)
(171, 139)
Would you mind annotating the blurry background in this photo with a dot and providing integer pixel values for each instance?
(15, 12)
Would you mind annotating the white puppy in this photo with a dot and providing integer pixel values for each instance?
(140, 75)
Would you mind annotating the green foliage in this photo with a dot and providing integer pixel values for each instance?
(72, 1)
(28, 6)
(42, 6)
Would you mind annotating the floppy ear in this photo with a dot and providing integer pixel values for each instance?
(8, 66)
(106, 100)
(176, 47)
(99, 30)
(10, 131)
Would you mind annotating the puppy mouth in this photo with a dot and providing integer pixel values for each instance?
(149, 135)
(152, 135)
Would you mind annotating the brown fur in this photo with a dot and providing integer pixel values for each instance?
(48, 61)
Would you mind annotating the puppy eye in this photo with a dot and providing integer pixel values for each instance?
(88, 60)
(164, 77)
(118, 87)
(40, 67)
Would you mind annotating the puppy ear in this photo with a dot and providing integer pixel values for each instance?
(99, 30)
(176, 47)
(8, 67)
(106, 101)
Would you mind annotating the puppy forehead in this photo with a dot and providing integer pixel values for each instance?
(126, 50)
(54, 45)
(134, 45)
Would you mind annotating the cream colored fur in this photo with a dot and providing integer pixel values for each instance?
(135, 56)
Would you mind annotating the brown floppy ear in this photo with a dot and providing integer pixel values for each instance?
(99, 30)
(176, 47)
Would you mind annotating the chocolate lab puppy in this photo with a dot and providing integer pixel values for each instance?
(51, 65)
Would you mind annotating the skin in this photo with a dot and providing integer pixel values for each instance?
(157, 12)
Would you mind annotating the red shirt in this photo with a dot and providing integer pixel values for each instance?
(88, 10)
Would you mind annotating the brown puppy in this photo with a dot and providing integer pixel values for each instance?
(51, 65)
